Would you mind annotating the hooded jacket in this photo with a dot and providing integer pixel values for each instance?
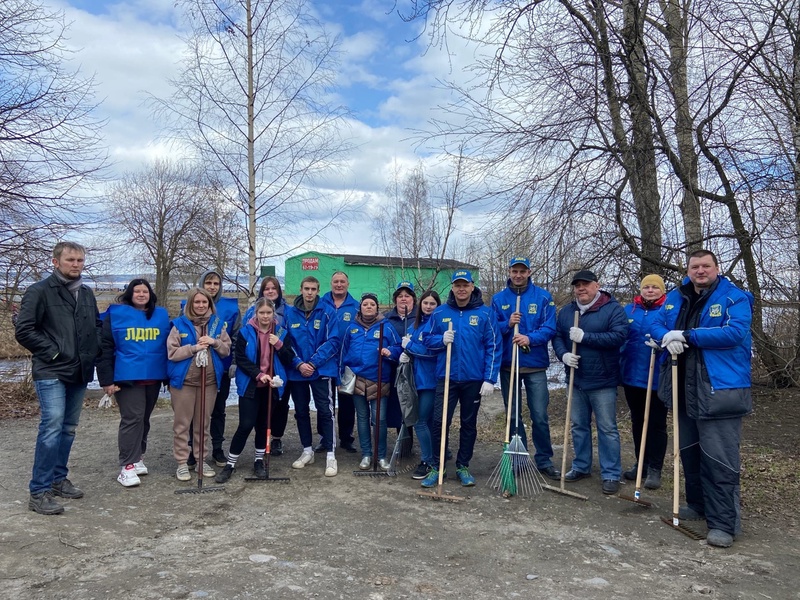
(605, 329)
(360, 349)
(315, 339)
(635, 355)
(227, 310)
(424, 361)
(477, 346)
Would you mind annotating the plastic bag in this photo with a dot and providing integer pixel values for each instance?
(347, 382)
(407, 394)
(106, 401)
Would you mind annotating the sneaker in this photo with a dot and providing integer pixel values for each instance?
(225, 474)
(219, 457)
(630, 474)
(183, 472)
(306, 458)
(573, 475)
(687, 513)
(191, 463)
(140, 467)
(259, 470)
(653, 481)
(719, 538)
(610, 486)
(128, 477)
(551, 473)
(421, 472)
(319, 448)
(331, 467)
(276, 448)
(65, 489)
(365, 463)
(44, 504)
(464, 476)
(208, 470)
(432, 479)
(383, 464)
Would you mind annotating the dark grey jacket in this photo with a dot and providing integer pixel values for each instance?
(60, 333)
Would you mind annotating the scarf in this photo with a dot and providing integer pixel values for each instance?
(367, 321)
(584, 307)
(72, 285)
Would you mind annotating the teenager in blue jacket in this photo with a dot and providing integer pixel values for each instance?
(705, 323)
(474, 367)
(536, 324)
(360, 344)
(424, 368)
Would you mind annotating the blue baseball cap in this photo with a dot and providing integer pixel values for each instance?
(405, 284)
(519, 260)
(462, 275)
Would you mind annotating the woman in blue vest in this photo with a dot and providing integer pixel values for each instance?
(198, 335)
(132, 366)
(260, 341)
(424, 379)
(360, 343)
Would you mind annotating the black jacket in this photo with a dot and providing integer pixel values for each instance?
(60, 333)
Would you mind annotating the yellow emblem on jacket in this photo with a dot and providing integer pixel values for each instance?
(715, 310)
(473, 319)
(317, 323)
(533, 309)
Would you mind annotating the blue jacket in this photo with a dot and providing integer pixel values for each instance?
(315, 340)
(605, 328)
(177, 370)
(477, 346)
(247, 359)
(227, 310)
(538, 323)
(360, 349)
(717, 362)
(635, 356)
(424, 361)
(345, 314)
(134, 347)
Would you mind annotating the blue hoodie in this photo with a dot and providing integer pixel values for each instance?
(477, 346)
(538, 323)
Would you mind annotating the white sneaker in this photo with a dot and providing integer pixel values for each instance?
(183, 472)
(128, 477)
(208, 471)
(383, 464)
(331, 468)
(306, 458)
(141, 469)
(365, 463)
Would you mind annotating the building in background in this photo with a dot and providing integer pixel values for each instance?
(378, 274)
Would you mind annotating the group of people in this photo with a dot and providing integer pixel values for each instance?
(300, 351)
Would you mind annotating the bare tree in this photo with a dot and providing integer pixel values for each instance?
(49, 140)
(251, 101)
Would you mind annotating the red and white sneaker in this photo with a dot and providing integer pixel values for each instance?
(128, 477)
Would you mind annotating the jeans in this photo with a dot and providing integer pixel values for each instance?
(366, 415)
(538, 398)
(468, 394)
(427, 398)
(61, 405)
(603, 403)
(323, 392)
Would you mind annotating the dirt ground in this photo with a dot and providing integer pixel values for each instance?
(355, 537)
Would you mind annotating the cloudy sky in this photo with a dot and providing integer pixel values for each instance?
(388, 80)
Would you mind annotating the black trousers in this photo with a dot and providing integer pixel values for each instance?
(657, 436)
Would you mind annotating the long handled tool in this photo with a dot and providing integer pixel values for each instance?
(562, 489)
(438, 494)
(270, 391)
(201, 461)
(637, 495)
(402, 436)
(377, 425)
(675, 521)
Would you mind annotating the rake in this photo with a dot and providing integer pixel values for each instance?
(377, 425)
(561, 489)
(402, 436)
(637, 495)
(439, 494)
(675, 521)
(200, 489)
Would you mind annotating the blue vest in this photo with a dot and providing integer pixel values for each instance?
(177, 370)
(140, 344)
(250, 336)
(228, 312)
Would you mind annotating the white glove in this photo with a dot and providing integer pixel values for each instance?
(676, 347)
(651, 343)
(570, 359)
(406, 341)
(448, 336)
(201, 358)
(232, 371)
(674, 341)
(276, 382)
(404, 358)
(576, 334)
(487, 388)
(106, 402)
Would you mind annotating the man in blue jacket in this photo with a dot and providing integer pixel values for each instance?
(315, 370)
(475, 362)
(602, 330)
(536, 323)
(706, 324)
